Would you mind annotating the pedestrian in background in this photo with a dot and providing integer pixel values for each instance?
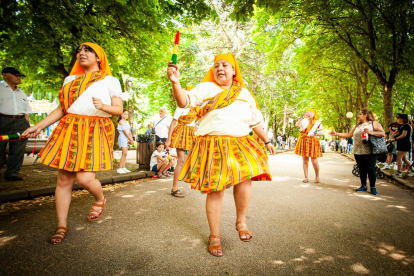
(350, 144)
(149, 130)
(364, 157)
(403, 138)
(14, 118)
(161, 126)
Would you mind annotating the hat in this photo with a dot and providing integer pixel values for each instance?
(13, 71)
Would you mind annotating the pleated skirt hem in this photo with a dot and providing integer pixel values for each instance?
(216, 163)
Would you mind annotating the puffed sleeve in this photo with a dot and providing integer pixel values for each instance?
(196, 95)
(68, 79)
(114, 88)
(177, 113)
(257, 117)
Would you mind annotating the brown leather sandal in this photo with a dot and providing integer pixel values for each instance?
(59, 235)
(244, 232)
(216, 248)
(92, 217)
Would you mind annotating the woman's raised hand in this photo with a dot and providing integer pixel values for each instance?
(173, 73)
(333, 133)
(31, 132)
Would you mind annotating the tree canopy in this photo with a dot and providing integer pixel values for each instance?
(336, 56)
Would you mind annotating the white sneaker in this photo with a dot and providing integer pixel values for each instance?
(126, 170)
(386, 167)
(121, 170)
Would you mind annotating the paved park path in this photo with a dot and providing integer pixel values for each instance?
(298, 229)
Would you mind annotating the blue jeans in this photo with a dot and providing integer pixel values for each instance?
(349, 149)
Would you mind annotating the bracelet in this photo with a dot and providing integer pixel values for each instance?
(268, 142)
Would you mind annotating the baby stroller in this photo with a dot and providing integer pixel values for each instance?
(380, 174)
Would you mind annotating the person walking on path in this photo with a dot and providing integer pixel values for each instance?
(349, 147)
(125, 138)
(14, 118)
(161, 126)
(403, 139)
(181, 137)
(224, 154)
(308, 145)
(149, 130)
(83, 141)
(364, 157)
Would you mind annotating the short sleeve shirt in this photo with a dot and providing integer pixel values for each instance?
(13, 102)
(404, 144)
(161, 126)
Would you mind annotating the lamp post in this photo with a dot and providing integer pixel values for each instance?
(349, 115)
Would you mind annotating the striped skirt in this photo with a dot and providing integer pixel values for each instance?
(80, 143)
(308, 146)
(182, 137)
(216, 163)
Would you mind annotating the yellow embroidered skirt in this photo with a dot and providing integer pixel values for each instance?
(216, 163)
(182, 137)
(80, 143)
(308, 146)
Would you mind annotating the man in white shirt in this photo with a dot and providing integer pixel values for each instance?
(14, 118)
(161, 126)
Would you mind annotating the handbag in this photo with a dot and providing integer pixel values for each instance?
(153, 129)
(377, 144)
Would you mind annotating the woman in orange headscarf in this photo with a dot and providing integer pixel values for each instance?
(224, 154)
(308, 145)
(82, 143)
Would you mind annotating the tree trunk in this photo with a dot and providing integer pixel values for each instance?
(388, 111)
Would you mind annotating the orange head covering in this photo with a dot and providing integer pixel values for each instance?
(314, 113)
(232, 60)
(104, 67)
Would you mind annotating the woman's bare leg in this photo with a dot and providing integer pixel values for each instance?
(88, 181)
(63, 195)
(315, 165)
(178, 168)
(214, 205)
(242, 193)
(400, 156)
(305, 166)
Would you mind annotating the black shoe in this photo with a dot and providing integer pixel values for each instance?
(13, 178)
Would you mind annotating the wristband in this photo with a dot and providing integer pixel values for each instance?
(268, 142)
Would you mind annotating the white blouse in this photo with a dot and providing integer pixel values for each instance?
(104, 89)
(236, 119)
(180, 112)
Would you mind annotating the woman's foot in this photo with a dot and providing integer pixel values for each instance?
(317, 180)
(214, 246)
(244, 233)
(97, 209)
(305, 180)
(126, 170)
(362, 189)
(176, 193)
(59, 235)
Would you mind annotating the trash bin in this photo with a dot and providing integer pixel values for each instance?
(145, 147)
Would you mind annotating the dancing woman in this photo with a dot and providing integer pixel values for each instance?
(181, 137)
(224, 154)
(308, 145)
(82, 143)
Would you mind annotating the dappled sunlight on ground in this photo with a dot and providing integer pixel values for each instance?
(401, 208)
(360, 269)
(392, 252)
(343, 181)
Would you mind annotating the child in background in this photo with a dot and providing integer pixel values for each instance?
(125, 138)
(159, 162)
